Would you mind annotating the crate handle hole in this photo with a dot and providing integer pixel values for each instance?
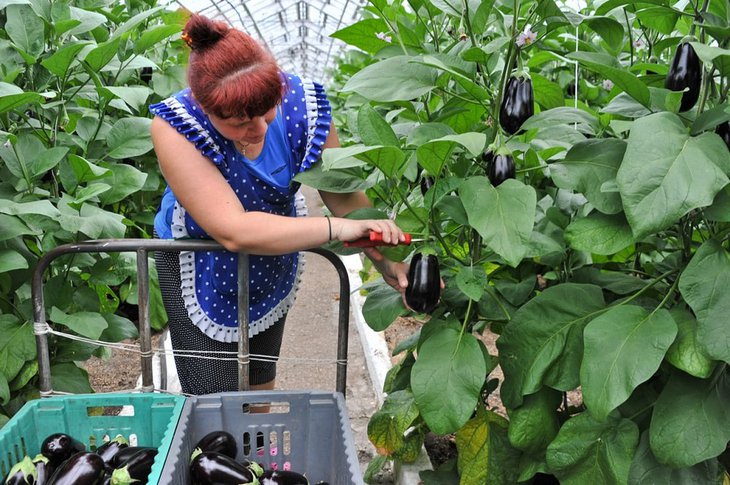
(110, 410)
(246, 444)
(265, 408)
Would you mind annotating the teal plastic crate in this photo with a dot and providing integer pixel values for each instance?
(150, 419)
(305, 431)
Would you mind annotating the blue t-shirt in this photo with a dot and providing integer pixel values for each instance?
(293, 142)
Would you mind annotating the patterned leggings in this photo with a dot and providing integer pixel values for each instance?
(203, 375)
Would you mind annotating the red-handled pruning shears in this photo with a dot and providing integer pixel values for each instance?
(376, 239)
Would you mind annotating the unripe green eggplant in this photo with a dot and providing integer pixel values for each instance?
(685, 72)
(424, 283)
(518, 104)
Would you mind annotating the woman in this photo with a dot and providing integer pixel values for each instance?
(229, 147)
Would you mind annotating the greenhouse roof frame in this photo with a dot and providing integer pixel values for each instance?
(296, 32)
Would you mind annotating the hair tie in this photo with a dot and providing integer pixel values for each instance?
(186, 37)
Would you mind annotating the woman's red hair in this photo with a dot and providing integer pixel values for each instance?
(230, 74)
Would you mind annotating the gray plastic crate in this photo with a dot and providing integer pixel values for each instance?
(305, 431)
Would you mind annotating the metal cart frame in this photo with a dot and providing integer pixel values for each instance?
(143, 247)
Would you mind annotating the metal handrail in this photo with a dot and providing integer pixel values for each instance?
(142, 247)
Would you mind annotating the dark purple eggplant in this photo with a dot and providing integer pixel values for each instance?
(723, 129)
(518, 104)
(500, 167)
(426, 183)
(209, 467)
(22, 473)
(685, 72)
(59, 447)
(136, 469)
(108, 450)
(44, 469)
(83, 468)
(221, 441)
(126, 453)
(283, 478)
(424, 283)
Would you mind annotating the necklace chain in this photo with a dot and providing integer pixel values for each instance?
(241, 147)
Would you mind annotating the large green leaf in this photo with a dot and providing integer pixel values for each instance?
(686, 353)
(503, 215)
(129, 137)
(590, 451)
(10, 260)
(691, 420)
(12, 227)
(338, 181)
(610, 30)
(364, 34)
(608, 67)
(447, 379)
(26, 29)
(485, 456)
(660, 18)
(99, 56)
(393, 79)
(564, 115)
(434, 154)
(548, 94)
(155, 35)
(534, 425)
(61, 60)
(389, 159)
(87, 324)
(587, 167)
(599, 233)
(47, 160)
(17, 345)
(646, 469)
(68, 377)
(720, 208)
(382, 305)
(11, 97)
(623, 348)
(125, 181)
(119, 328)
(705, 286)
(666, 173)
(373, 129)
(543, 343)
(133, 96)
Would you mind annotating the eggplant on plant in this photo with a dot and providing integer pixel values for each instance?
(518, 103)
(685, 72)
(424, 283)
(499, 166)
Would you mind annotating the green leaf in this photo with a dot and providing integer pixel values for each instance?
(393, 79)
(39, 207)
(47, 160)
(471, 281)
(12, 227)
(705, 286)
(543, 343)
(133, 96)
(118, 329)
(338, 181)
(548, 94)
(84, 170)
(97, 222)
(647, 470)
(155, 35)
(691, 420)
(129, 137)
(485, 455)
(135, 21)
(720, 208)
(590, 451)
(100, 55)
(660, 18)
(60, 61)
(363, 34)
(26, 29)
(623, 348)
(709, 119)
(68, 377)
(89, 20)
(382, 305)
(561, 116)
(17, 345)
(87, 324)
(503, 216)
(686, 353)
(447, 379)
(599, 233)
(619, 283)
(12, 97)
(373, 129)
(534, 425)
(388, 159)
(607, 67)
(87, 193)
(11, 260)
(610, 30)
(666, 173)
(125, 181)
(587, 166)
(387, 425)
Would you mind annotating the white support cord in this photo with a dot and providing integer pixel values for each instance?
(41, 328)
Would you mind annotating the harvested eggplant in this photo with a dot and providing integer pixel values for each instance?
(277, 477)
(221, 441)
(136, 469)
(22, 473)
(108, 450)
(59, 447)
(83, 468)
(210, 467)
(126, 453)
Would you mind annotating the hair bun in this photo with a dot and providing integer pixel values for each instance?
(201, 32)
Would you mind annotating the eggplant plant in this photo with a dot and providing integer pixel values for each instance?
(599, 259)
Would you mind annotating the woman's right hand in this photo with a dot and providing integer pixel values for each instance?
(346, 230)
